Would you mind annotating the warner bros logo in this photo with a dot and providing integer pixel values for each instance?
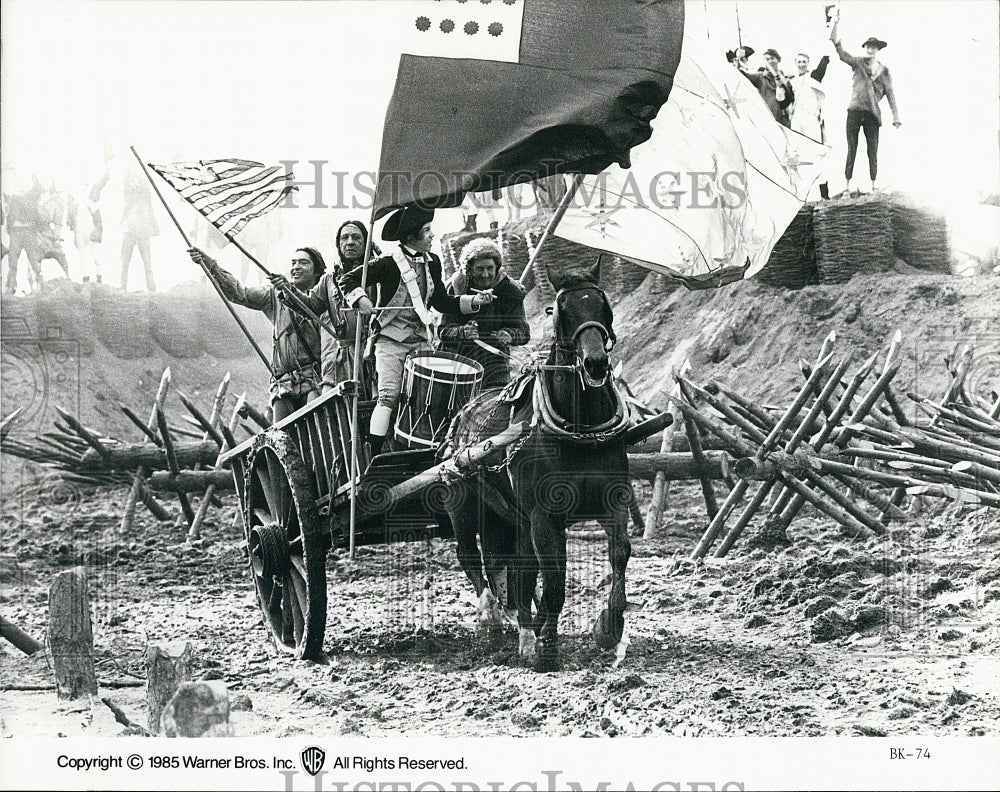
(312, 759)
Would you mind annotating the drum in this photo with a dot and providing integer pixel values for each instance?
(436, 385)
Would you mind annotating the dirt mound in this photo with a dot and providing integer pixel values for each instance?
(87, 347)
(751, 336)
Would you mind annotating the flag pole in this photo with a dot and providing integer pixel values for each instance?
(358, 363)
(553, 222)
(204, 269)
(739, 28)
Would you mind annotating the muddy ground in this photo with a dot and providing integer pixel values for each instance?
(889, 636)
(829, 636)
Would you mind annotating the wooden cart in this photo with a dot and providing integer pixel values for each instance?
(294, 485)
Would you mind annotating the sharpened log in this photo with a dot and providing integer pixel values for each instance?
(167, 666)
(191, 480)
(131, 456)
(71, 635)
(678, 466)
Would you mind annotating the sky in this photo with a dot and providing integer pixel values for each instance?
(309, 81)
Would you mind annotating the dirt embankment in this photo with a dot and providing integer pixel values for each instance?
(752, 336)
(87, 347)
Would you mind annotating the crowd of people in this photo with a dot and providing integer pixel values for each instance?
(797, 101)
(480, 313)
(40, 217)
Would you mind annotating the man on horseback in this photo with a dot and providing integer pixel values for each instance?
(497, 326)
(407, 281)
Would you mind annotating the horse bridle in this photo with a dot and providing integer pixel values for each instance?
(610, 339)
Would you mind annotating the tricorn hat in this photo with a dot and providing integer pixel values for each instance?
(401, 222)
(874, 42)
(731, 54)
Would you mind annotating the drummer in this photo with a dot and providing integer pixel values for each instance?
(487, 335)
(408, 282)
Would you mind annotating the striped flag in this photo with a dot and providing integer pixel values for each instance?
(229, 192)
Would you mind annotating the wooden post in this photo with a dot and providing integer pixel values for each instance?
(167, 666)
(660, 486)
(71, 635)
(168, 447)
(195, 532)
(161, 394)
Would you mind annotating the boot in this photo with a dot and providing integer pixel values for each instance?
(375, 443)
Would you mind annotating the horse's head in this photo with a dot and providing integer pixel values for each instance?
(583, 319)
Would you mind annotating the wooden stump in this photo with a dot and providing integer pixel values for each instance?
(71, 635)
(198, 709)
(167, 667)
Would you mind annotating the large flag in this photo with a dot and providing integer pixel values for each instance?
(531, 88)
(229, 192)
(710, 193)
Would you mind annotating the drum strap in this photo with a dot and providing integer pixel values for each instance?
(409, 279)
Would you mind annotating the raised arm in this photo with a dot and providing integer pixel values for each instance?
(789, 93)
(820, 71)
(257, 297)
(845, 56)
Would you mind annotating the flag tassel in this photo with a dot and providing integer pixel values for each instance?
(204, 269)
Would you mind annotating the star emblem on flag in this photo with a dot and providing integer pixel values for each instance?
(602, 219)
(731, 102)
(669, 196)
(791, 161)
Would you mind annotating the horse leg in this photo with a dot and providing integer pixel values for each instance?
(610, 625)
(465, 523)
(497, 547)
(526, 575)
(548, 536)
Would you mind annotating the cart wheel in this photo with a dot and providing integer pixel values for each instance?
(286, 545)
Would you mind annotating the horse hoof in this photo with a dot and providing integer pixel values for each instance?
(526, 645)
(490, 616)
(547, 657)
(604, 635)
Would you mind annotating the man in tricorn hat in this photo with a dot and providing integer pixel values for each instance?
(408, 282)
(871, 82)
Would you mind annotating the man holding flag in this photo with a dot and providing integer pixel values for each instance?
(295, 363)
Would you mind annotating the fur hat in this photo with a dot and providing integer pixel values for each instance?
(483, 247)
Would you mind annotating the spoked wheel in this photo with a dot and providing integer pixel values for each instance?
(286, 546)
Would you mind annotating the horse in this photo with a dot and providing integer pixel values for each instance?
(571, 466)
(483, 511)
